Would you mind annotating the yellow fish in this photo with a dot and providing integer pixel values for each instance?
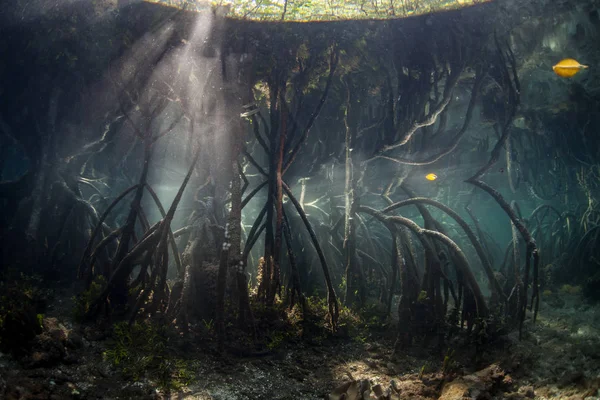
(568, 68)
(431, 177)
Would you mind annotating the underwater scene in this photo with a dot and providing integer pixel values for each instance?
(294, 199)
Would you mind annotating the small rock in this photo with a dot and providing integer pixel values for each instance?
(75, 340)
(456, 390)
(378, 390)
(371, 347)
(58, 335)
(475, 385)
(38, 357)
(392, 367)
(527, 391)
(50, 324)
(70, 359)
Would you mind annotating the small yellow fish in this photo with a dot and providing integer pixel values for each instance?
(431, 177)
(568, 68)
